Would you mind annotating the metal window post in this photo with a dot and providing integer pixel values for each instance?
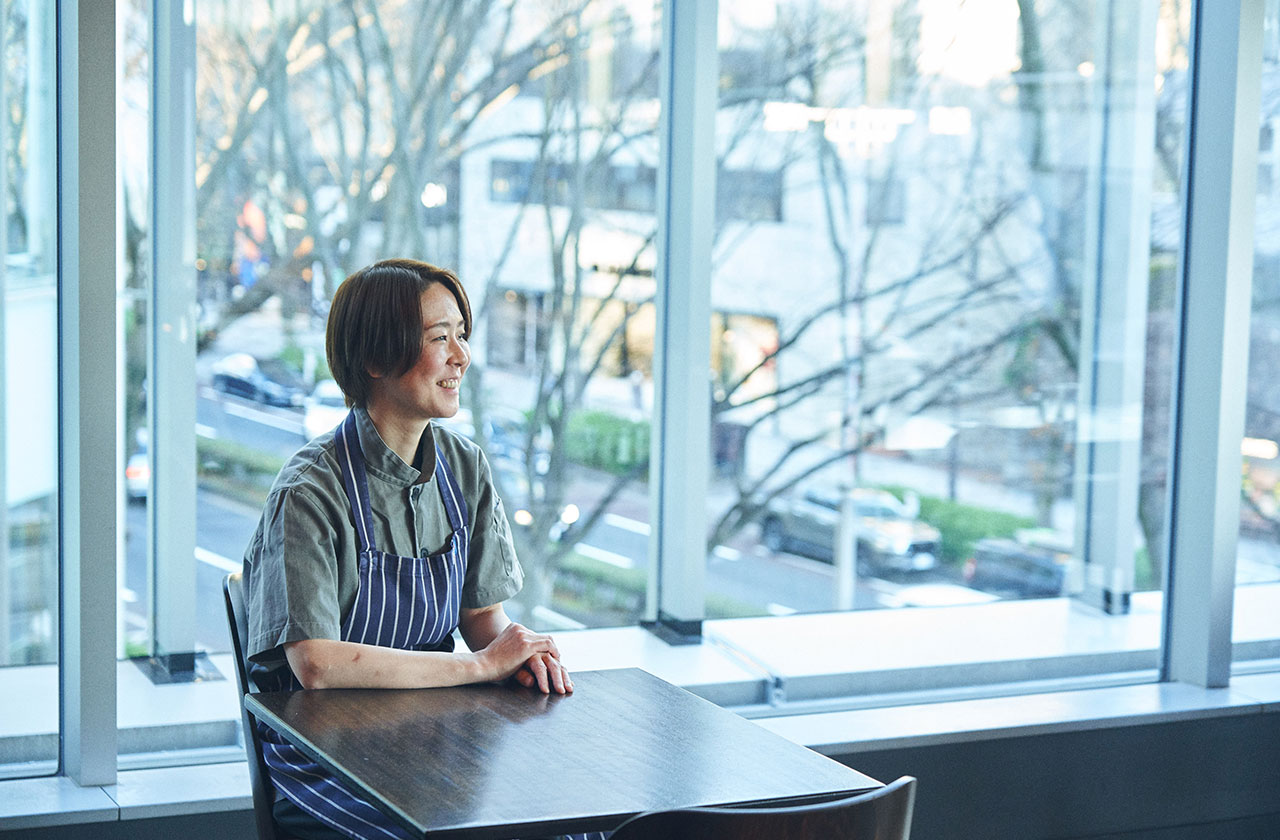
(682, 346)
(87, 352)
(171, 344)
(1114, 310)
(4, 333)
(1216, 275)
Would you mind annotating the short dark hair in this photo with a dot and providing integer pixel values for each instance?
(375, 322)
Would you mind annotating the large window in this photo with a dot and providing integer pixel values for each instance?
(29, 612)
(973, 334)
(938, 333)
(514, 146)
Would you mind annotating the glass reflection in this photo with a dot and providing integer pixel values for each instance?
(960, 397)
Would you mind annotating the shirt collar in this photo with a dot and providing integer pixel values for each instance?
(379, 460)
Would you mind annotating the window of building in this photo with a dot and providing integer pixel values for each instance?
(886, 201)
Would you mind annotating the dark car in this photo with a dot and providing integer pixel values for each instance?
(889, 539)
(1018, 569)
(262, 380)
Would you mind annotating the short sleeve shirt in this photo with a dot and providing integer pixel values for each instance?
(302, 566)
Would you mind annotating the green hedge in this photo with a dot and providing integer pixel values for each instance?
(292, 355)
(606, 441)
(236, 470)
(961, 525)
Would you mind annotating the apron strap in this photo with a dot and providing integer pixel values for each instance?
(351, 460)
(450, 493)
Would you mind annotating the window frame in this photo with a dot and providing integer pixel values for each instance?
(87, 362)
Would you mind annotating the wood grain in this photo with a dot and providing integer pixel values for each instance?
(504, 761)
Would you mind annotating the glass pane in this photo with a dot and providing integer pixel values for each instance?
(515, 146)
(29, 705)
(134, 86)
(934, 325)
(1255, 634)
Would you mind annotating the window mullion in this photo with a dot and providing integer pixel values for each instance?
(171, 327)
(87, 354)
(1212, 367)
(682, 349)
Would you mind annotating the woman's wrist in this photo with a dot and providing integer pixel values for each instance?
(476, 667)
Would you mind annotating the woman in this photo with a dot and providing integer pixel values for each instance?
(382, 537)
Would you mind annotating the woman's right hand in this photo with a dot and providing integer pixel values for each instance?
(513, 647)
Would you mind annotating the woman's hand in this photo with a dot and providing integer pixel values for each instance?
(506, 649)
(547, 673)
(515, 649)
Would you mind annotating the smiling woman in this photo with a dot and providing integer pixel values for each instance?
(385, 535)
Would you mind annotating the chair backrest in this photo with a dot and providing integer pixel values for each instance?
(263, 794)
(882, 814)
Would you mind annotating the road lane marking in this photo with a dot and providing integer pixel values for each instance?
(259, 416)
(805, 564)
(206, 431)
(622, 522)
(204, 555)
(619, 560)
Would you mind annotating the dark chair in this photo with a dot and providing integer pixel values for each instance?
(263, 793)
(883, 814)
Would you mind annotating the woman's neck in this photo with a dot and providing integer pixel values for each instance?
(401, 435)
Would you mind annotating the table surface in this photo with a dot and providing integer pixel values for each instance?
(493, 761)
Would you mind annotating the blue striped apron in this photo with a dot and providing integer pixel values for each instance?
(401, 602)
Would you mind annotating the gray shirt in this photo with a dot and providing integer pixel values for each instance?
(301, 568)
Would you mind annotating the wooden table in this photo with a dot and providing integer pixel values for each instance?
(501, 761)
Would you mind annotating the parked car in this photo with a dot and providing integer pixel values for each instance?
(323, 409)
(1017, 568)
(263, 380)
(137, 475)
(889, 539)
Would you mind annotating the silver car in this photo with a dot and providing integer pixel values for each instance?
(889, 539)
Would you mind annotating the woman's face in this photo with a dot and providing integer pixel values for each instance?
(431, 387)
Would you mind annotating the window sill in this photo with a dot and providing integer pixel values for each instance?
(137, 794)
(932, 724)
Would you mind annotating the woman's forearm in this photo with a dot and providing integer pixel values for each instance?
(498, 649)
(327, 663)
(479, 627)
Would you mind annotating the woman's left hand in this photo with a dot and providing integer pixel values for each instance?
(544, 671)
